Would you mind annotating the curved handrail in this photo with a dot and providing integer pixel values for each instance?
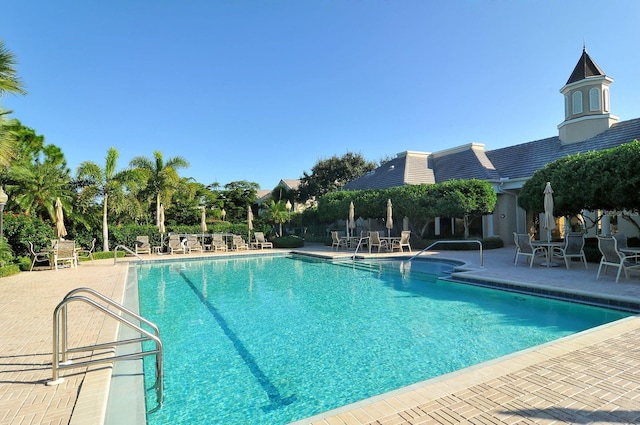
(60, 335)
(124, 248)
(456, 241)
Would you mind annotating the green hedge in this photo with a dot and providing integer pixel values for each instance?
(288, 242)
(9, 270)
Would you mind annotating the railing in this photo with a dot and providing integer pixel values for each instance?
(124, 248)
(61, 349)
(458, 241)
(358, 247)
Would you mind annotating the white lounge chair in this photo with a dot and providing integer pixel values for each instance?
(142, 245)
(176, 245)
(261, 242)
(337, 241)
(193, 244)
(374, 240)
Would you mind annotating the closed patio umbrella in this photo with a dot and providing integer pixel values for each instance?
(352, 217)
(161, 223)
(549, 221)
(203, 220)
(389, 222)
(249, 223)
(61, 231)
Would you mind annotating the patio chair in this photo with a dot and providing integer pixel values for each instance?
(621, 240)
(364, 239)
(193, 244)
(524, 248)
(218, 243)
(142, 245)
(374, 240)
(39, 257)
(337, 241)
(261, 242)
(402, 242)
(176, 245)
(573, 248)
(238, 243)
(87, 253)
(611, 256)
(64, 252)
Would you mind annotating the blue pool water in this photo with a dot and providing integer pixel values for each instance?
(270, 340)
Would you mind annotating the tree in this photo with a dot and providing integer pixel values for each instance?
(465, 199)
(104, 183)
(278, 213)
(161, 178)
(38, 176)
(237, 197)
(329, 175)
(9, 83)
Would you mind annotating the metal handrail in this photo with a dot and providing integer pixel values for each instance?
(457, 241)
(61, 349)
(124, 248)
(358, 247)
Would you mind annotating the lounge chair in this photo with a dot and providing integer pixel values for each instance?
(526, 249)
(239, 243)
(573, 248)
(611, 256)
(193, 244)
(88, 252)
(218, 243)
(261, 242)
(142, 245)
(39, 257)
(176, 245)
(337, 241)
(374, 240)
(64, 252)
(402, 242)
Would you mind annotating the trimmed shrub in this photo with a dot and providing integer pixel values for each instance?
(9, 270)
(288, 242)
(19, 230)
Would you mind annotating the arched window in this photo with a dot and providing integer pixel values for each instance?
(576, 98)
(566, 106)
(594, 99)
(605, 100)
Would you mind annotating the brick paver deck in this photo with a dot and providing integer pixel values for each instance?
(590, 377)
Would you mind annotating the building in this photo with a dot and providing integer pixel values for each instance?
(588, 125)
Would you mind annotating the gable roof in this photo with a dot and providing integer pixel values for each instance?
(466, 162)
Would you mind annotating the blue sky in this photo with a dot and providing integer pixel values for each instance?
(262, 90)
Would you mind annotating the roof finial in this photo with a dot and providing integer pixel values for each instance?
(584, 45)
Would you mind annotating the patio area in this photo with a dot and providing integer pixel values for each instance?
(590, 377)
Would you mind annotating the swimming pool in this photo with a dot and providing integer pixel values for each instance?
(270, 340)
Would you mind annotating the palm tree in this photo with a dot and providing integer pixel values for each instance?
(106, 183)
(161, 177)
(9, 83)
(278, 213)
(38, 185)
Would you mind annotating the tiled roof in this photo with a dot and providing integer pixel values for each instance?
(292, 184)
(525, 159)
(472, 161)
(406, 168)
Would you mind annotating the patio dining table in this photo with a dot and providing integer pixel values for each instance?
(548, 246)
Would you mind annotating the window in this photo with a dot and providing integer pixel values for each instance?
(566, 106)
(577, 102)
(594, 99)
(605, 100)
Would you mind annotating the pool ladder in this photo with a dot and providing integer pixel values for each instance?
(61, 348)
(454, 242)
